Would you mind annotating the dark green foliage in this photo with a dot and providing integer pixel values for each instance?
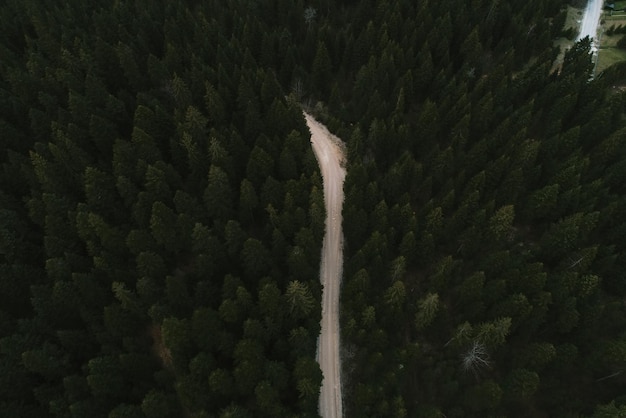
(510, 205)
(162, 214)
(133, 191)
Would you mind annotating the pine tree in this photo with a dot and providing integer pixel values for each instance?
(427, 310)
(218, 194)
(321, 70)
(395, 296)
(299, 299)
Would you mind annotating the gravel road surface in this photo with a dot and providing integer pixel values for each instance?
(328, 150)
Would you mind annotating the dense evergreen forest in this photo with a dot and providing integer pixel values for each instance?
(162, 213)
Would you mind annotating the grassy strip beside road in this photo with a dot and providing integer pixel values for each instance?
(609, 53)
(608, 56)
(573, 18)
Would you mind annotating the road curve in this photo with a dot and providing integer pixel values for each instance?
(330, 156)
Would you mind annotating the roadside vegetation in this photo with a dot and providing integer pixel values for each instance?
(611, 30)
(613, 42)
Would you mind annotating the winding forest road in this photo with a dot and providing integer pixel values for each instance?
(330, 157)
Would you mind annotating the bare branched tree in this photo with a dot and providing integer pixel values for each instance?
(575, 262)
(476, 358)
(309, 15)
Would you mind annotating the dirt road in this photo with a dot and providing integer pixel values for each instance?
(330, 156)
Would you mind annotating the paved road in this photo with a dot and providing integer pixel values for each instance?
(591, 19)
(330, 157)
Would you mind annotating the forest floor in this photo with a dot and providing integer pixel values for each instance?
(330, 155)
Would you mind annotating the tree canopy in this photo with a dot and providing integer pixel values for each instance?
(162, 213)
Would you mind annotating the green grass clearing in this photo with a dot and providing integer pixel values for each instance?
(608, 57)
(611, 18)
(615, 23)
(609, 54)
(620, 5)
(610, 41)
